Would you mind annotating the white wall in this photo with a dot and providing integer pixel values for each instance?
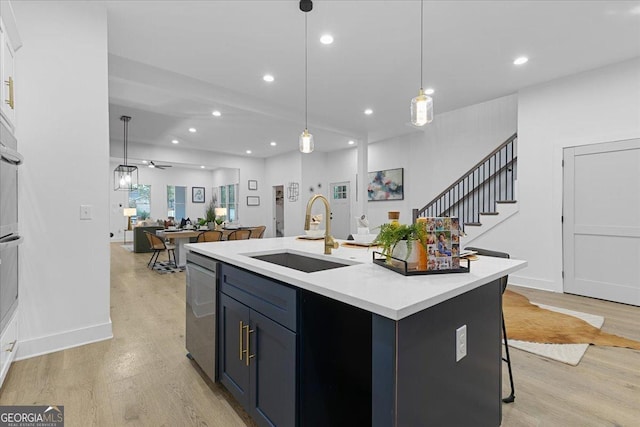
(592, 107)
(63, 133)
(281, 170)
(314, 181)
(433, 159)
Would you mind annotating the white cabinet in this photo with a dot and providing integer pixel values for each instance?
(8, 81)
(10, 42)
(8, 345)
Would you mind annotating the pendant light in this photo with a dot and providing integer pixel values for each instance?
(125, 177)
(306, 139)
(421, 105)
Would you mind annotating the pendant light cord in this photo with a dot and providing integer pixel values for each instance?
(126, 119)
(421, 38)
(125, 141)
(305, 72)
(126, 138)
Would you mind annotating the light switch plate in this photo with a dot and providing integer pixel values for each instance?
(461, 342)
(85, 211)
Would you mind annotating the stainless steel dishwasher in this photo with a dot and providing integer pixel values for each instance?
(201, 312)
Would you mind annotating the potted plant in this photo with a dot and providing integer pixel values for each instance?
(210, 215)
(219, 222)
(400, 240)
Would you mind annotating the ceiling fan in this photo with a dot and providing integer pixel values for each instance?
(153, 165)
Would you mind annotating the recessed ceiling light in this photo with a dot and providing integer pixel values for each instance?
(368, 111)
(268, 78)
(192, 130)
(144, 162)
(248, 151)
(216, 113)
(351, 142)
(520, 60)
(175, 141)
(273, 143)
(429, 91)
(201, 167)
(326, 39)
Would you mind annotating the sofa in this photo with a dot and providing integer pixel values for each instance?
(140, 242)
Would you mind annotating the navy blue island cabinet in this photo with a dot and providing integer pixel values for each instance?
(292, 357)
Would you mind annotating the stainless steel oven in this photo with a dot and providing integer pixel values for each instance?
(10, 237)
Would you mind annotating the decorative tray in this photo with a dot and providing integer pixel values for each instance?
(401, 266)
(353, 244)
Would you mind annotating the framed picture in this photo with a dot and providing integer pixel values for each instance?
(197, 194)
(253, 200)
(386, 185)
(253, 184)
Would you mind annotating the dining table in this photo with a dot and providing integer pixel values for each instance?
(180, 237)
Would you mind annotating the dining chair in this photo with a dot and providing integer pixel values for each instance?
(209, 236)
(503, 282)
(258, 232)
(239, 235)
(158, 245)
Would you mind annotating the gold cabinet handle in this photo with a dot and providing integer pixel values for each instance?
(10, 101)
(249, 355)
(13, 344)
(240, 340)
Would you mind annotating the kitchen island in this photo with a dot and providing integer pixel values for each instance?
(356, 344)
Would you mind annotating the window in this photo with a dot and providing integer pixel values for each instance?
(339, 192)
(176, 202)
(229, 200)
(140, 198)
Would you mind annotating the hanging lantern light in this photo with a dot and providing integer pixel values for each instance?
(125, 177)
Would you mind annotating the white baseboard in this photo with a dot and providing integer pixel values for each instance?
(68, 339)
(531, 282)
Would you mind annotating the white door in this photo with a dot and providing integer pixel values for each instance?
(340, 210)
(601, 228)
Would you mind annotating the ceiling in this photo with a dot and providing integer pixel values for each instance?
(171, 63)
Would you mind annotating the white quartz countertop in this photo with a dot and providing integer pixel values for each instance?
(363, 284)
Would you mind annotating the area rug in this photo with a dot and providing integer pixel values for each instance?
(164, 267)
(556, 333)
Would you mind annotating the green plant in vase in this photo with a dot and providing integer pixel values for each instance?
(210, 212)
(393, 234)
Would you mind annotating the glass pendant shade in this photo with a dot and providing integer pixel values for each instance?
(306, 142)
(421, 109)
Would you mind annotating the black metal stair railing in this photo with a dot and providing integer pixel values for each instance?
(478, 191)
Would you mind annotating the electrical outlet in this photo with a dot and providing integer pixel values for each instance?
(461, 342)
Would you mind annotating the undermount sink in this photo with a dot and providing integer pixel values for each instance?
(299, 262)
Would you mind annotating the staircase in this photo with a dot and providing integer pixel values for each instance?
(484, 196)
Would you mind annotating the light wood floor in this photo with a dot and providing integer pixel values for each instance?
(141, 377)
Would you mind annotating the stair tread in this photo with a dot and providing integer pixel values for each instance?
(506, 201)
(488, 213)
(475, 224)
